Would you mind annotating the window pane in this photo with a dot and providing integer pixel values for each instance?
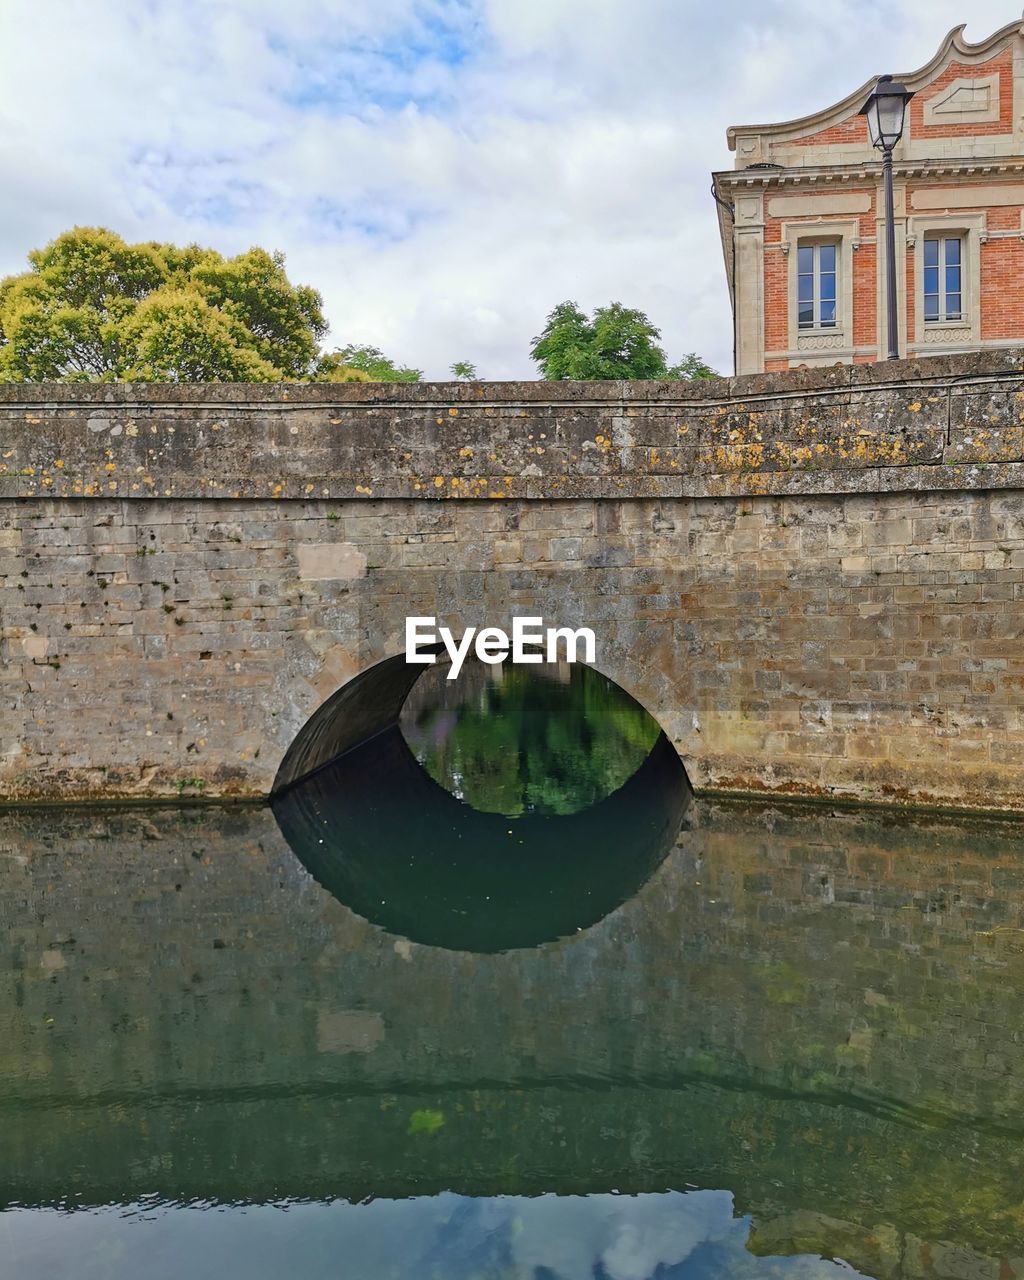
(828, 257)
(828, 287)
(931, 306)
(805, 287)
(952, 306)
(931, 280)
(952, 252)
(828, 314)
(931, 253)
(952, 280)
(805, 259)
(806, 315)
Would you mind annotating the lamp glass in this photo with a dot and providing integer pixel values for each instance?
(873, 126)
(886, 111)
(891, 108)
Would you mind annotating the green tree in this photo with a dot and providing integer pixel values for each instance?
(616, 342)
(332, 368)
(373, 362)
(691, 368)
(464, 371)
(94, 308)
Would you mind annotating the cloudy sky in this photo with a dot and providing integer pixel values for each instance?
(444, 171)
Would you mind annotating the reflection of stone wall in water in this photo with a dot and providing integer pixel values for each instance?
(175, 985)
(537, 739)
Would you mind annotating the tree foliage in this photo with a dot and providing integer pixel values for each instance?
(375, 364)
(615, 342)
(691, 367)
(464, 371)
(94, 308)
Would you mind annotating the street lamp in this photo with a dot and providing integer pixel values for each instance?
(886, 111)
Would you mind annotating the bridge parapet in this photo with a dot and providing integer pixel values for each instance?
(947, 423)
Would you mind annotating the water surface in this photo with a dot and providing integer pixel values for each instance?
(445, 1013)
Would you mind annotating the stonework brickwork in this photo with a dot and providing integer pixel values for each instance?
(814, 581)
(958, 175)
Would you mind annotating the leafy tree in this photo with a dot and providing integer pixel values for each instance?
(376, 365)
(616, 342)
(691, 368)
(93, 308)
(332, 368)
(464, 371)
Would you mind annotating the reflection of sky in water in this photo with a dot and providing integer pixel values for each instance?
(447, 1237)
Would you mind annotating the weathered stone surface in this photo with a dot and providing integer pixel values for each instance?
(953, 421)
(330, 562)
(804, 577)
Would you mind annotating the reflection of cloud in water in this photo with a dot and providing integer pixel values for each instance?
(667, 1236)
(599, 1237)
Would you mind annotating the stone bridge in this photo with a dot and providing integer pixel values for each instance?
(813, 580)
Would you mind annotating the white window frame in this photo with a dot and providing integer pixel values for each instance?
(970, 229)
(834, 343)
(814, 247)
(941, 267)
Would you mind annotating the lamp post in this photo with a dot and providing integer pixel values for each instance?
(886, 111)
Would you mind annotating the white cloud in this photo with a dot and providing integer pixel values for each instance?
(445, 172)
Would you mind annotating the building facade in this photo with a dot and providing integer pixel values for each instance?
(802, 219)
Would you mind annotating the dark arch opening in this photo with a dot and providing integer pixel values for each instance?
(413, 856)
(367, 705)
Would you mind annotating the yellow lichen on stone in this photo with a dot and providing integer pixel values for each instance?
(738, 457)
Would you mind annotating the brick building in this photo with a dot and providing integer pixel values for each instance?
(801, 218)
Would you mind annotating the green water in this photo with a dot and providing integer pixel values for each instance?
(785, 1043)
(512, 740)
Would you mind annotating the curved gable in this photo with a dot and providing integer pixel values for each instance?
(964, 89)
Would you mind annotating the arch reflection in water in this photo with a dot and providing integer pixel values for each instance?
(547, 740)
(574, 836)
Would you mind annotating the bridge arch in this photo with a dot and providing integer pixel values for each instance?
(371, 702)
(484, 832)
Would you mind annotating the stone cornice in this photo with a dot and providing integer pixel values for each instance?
(954, 46)
(842, 174)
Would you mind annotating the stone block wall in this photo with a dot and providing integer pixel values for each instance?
(814, 581)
